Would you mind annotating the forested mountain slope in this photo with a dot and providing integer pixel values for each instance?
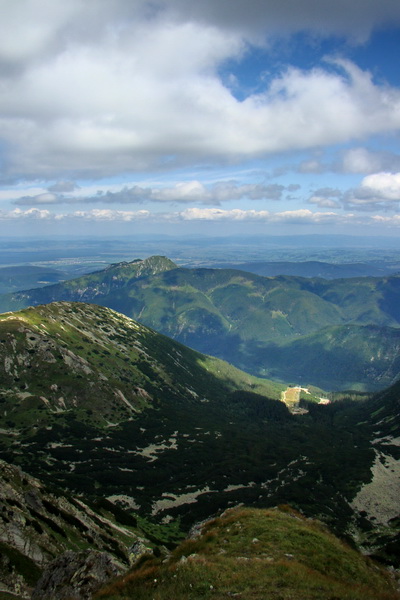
(274, 327)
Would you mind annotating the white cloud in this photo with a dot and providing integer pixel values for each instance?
(103, 87)
(393, 221)
(311, 166)
(327, 198)
(324, 202)
(293, 216)
(377, 191)
(63, 186)
(107, 123)
(45, 198)
(386, 185)
(33, 29)
(108, 215)
(182, 192)
(358, 160)
(362, 160)
(29, 28)
(32, 213)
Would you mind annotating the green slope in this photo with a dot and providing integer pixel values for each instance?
(73, 356)
(357, 357)
(88, 288)
(264, 325)
(257, 554)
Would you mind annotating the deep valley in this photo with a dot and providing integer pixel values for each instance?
(103, 409)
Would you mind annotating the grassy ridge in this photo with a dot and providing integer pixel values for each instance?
(257, 554)
(72, 356)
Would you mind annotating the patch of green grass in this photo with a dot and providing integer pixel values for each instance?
(169, 534)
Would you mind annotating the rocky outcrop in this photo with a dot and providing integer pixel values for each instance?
(76, 576)
(36, 527)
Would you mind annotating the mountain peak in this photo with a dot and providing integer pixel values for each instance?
(92, 287)
(147, 266)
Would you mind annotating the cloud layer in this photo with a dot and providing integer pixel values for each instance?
(98, 87)
(178, 111)
(298, 218)
(183, 192)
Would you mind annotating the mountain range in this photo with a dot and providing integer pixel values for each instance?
(313, 268)
(102, 409)
(336, 334)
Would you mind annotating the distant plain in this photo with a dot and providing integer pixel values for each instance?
(74, 256)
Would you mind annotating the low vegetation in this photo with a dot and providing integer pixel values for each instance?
(257, 554)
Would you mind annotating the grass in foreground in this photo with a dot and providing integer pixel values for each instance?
(258, 554)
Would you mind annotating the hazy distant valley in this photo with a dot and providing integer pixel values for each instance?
(134, 437)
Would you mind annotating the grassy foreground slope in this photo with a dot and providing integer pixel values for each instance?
(257, 554)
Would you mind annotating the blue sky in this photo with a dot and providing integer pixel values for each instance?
(213, 117)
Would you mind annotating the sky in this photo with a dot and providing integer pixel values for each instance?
(211, 117)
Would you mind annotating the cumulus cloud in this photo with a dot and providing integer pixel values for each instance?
(311, 166)
(63, 186)
(393, 221)
(45, 198)
(358, 160)
(387, 185)
(189, 214)
(33, 29)
(377, 191)
(136, 122)
(32, 213)
(324, 202)
(108, 215)
(99, 87)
